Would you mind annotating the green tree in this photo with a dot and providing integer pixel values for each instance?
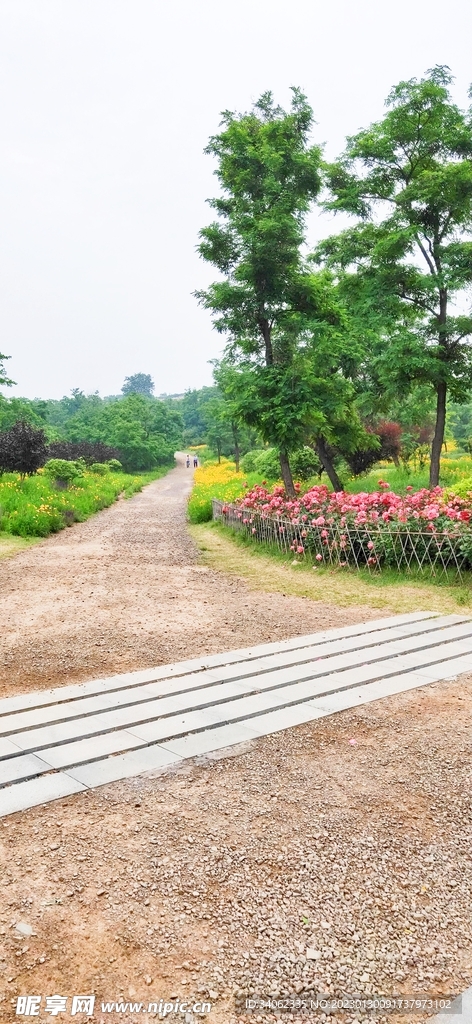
(4, 380)
(139, 384)
(269, 175)
(408, 180)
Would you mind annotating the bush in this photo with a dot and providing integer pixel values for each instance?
(114, 465)
(89, 451)
(100, 468)
(62, 471)
(264, 461)
(462, 489)
(305, 463)
(22, 449)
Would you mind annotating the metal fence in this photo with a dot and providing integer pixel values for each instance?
(437, 553)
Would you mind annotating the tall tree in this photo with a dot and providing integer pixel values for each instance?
(408, 180)
(269, 175)
(139, 384)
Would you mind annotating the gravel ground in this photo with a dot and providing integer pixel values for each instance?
(124, 591)
(336, 856)
(308, 860)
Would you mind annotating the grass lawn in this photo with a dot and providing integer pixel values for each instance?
(390, 592)
(10, 545)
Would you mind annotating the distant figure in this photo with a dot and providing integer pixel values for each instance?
(195, 462)
(188, 462)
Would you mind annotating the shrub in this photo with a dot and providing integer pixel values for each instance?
(114, 465)
(264, 461)
(62, 471)
(305, 463)
(22, 449)
(100, 468)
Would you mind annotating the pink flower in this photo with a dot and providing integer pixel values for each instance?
(300, 549)
(370, 545)
(319, 558)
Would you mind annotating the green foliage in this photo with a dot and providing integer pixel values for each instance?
(277, 313)
(33, 507)
(146, 430)
(114, 465)
(139, 384)
(62, 471)
(265, 463)
(408, 181)
(4, 380)
(100, 468)
(229, 487)
(463, 489)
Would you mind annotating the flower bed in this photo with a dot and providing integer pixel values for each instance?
(34, 507)
(422, 529)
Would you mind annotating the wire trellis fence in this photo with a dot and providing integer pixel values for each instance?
(438, 553)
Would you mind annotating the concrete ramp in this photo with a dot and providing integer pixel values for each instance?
(58, 742)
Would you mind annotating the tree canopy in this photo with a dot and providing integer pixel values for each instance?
(407, 262)
(4, 380)
(139, 384)
(269, 175)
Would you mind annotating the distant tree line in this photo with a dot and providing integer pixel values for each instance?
(137, 429)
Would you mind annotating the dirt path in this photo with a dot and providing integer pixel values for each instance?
(124, 591)
(333, 857)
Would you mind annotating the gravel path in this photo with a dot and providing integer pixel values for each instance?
(124, 591)
(335, 856)
(308, 860)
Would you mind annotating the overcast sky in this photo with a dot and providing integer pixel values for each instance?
(106, 106)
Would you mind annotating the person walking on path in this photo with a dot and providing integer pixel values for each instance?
(195, 462)
(188, 462)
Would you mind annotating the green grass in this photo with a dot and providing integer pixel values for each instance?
(34, 507)
(10, 545)
(263, 569)
(217, 480)
(453, 471)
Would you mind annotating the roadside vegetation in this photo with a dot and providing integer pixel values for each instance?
(389, 591)
(38, 505)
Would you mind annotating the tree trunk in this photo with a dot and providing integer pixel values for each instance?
(237, 453)
(441, 396)
(286, 474)
(438, 439)
(218, 446)
(396, 461)
(266, 334)
(326, 462)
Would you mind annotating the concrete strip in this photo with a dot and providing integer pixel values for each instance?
(359, 695)
(23, 795)
(24, 767)
(64, 711)
(285, 718)
(66, 755)
(8, 749)
(213, 739)
(123, 766)
(280, 688)
(40, 698)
